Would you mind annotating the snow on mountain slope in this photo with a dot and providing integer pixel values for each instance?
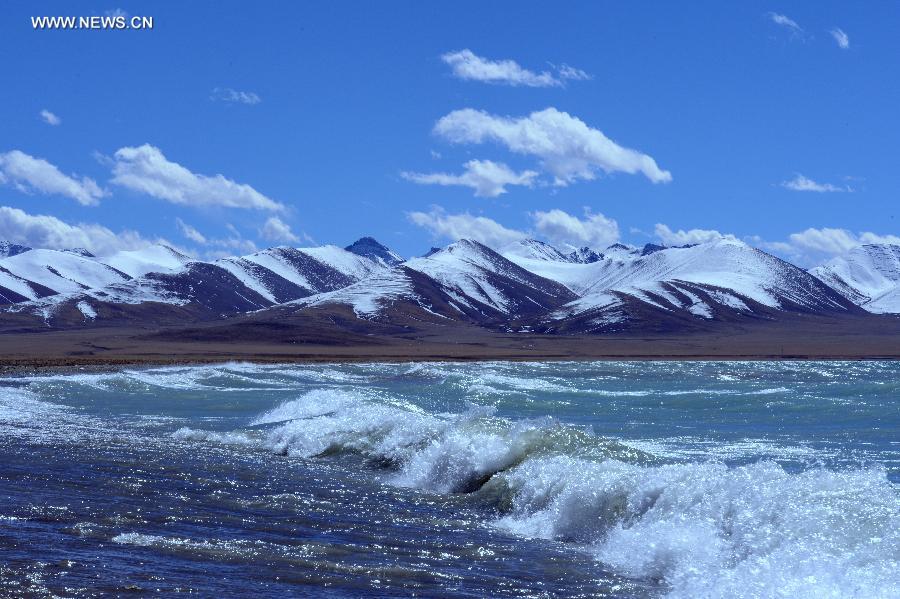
(229, 285)
(284, 274)
(577, 276)
(729, 270)
(370, 296)
(531, 284)
(579, 270)
(316, 269)
(472, 271)
(868, 275)
(886, 303)
(722, 263)
(532, 250)
(211, 291)
(466, 280)
(130, 292)
(62, 271)
(33, 274)
(258, 278)
(155, 258)
(724, 272)
(15, 289)
(345, 262)
(621, 251)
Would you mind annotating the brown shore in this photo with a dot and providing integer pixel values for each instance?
(108, 348)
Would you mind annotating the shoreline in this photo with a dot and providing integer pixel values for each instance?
(106, 349)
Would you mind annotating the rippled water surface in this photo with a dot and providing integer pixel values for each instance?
(629, 479)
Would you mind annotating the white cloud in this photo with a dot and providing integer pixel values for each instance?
(50, 118)
(568, 72)
(555, 225)
(235, 244)
(562, 228)
(829, 241)
(564, 144)
(146, 169)
(869, 237)
(190, 232)
(488, 179)
(465, 226)
(785, 22)
(682, 237)
(43, 231)
(815, 246)
(469, 66)
(29, 174)
(277, 230)
(801, 183)
(233, 96)
(219, 247)
(842, 39)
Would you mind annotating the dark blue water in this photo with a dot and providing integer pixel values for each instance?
(521, 479)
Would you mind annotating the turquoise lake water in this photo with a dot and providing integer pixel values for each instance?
(620, 479)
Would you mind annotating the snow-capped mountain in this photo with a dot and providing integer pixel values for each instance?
(526, 286)
(283, 274)
(37, 273)
(61, 271)
(868, 275)
(464, 281)
(532, 249)
(704, 281)
(161, 276)
(155, 258)
(472, 272)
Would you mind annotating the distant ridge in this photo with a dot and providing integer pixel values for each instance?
(528, 286)
(868, 275)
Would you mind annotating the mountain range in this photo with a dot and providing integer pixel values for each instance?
(366, 290)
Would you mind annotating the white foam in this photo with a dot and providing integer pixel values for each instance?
(703, 528)
(712, 531)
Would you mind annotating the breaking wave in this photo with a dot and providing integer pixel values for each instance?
(702, 529)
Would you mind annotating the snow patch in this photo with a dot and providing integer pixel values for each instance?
(86, 309)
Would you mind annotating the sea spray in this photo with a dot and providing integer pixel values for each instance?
(712, 531)
(705, 529)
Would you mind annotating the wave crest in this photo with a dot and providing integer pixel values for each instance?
(705, 529)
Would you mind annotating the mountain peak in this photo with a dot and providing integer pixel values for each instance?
(80, 252)
(174, 252)
(584, 255)
(369, 247)
(619, 246)
(7, 249)
(469, 249)
(534, 250)
(651, 248)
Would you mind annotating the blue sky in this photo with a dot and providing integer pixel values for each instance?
(322, 121)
